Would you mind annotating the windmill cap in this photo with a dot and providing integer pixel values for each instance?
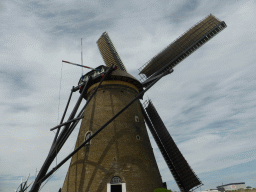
(119, 77)
(124, 76)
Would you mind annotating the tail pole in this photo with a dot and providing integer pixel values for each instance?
(79, 65)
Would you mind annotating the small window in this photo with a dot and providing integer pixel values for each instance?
(138, 137)
(88, 135)
(94, 73)
(137, 118)
(115, 180)
(97, 73)
(85, 78)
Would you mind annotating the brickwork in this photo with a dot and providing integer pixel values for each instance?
(115, 151)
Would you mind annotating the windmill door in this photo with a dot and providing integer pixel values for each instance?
(116, 188)
(116, 185)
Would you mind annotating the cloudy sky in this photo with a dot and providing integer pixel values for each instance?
(208, 103)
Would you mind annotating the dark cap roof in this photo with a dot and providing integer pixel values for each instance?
(124, 76)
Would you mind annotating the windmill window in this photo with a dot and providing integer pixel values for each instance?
(88, 135)
(116, 180)
(137, 118)
(95, 73)
(138, 137)
(85, 78)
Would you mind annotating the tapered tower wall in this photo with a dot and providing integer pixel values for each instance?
(116, 150)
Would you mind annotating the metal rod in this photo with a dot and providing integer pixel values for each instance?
(58, 126)
(67, 105)
(100, 129)
(63, 116)
(82, 55)
(79, 65)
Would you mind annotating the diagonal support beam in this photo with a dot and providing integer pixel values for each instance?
(71, 121)
(63, 116)
(53, 153)
(63, 136)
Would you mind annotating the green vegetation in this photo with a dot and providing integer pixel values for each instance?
(162, 190)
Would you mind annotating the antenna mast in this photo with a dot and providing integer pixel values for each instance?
(82, 55)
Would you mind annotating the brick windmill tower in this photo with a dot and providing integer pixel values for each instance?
(121, 156)
(113, 151)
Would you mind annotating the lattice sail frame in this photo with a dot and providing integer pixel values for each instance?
(109, 53)
(183, 46)
(183, 174)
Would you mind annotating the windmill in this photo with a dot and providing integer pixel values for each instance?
(113, 152)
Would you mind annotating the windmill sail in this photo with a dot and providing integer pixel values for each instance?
(183, 46)
(184, 176)
(109, 53)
